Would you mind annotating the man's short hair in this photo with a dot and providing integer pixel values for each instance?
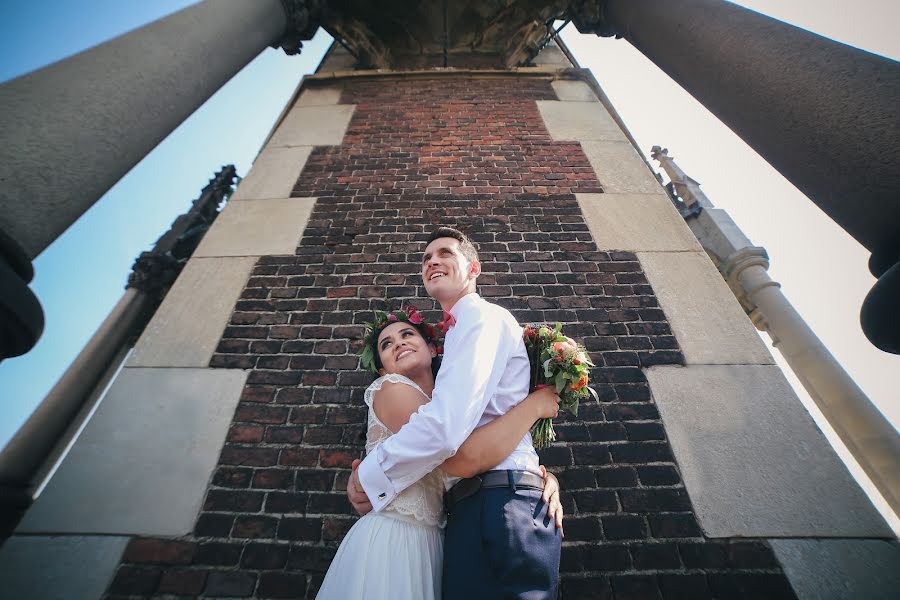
(466, 246)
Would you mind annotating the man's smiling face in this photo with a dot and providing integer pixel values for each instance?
(447, 273)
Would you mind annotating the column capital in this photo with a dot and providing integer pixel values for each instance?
(302, 21)
(745, 284)
(739, 260)
(21, 315)
(589, 16)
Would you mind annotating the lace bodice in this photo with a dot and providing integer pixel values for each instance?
(423, 500)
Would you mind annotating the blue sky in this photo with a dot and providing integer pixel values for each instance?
(81, 276)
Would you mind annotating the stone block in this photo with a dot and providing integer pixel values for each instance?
(636, 223)
(752, 459)
(573, 91)
(320, 96)
(257, 228)
(274, 173)
(58, 567)
(313, 126)
(552, 56)
(620, 169)
(189, 323)
(142, 463)
(708, 322)
(840, 568)
(580, 121)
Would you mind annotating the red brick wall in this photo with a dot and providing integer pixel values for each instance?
(474, 154)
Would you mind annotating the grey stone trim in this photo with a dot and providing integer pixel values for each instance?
(273, 174)
(188, 325)
(635, 222)
(752, 459)
(580, 121)
(58, 567)
(257, 228)
(313, 126)
(143, 462)
(707, 320)
(820, 569)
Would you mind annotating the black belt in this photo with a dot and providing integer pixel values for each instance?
(512, 479)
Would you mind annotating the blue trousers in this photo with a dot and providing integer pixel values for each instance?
(500, 543)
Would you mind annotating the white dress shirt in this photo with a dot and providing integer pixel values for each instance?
(485, 372)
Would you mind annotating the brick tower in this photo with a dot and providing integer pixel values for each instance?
(216, 464)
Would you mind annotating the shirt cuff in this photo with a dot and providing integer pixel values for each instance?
(375, 483)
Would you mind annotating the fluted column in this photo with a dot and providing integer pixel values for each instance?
(824, 114)
(72, 129)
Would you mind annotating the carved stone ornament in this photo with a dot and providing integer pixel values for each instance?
(399, 34)
(467, 33)
(154, 274)
(589, 17)
(302, 22)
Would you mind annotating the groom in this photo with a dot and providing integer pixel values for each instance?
(499, 542)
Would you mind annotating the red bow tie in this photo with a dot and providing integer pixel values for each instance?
(448, 322)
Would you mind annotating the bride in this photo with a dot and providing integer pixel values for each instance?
(397, 553)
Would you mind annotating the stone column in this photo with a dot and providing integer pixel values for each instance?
(872, 440)
(72, 129)
(824, 114)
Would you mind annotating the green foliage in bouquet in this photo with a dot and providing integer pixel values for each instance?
(558, 361)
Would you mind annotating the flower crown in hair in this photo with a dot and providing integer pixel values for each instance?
(407, 314)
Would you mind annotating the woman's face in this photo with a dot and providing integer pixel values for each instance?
(402, 349)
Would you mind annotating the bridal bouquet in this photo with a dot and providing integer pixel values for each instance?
(558, 361)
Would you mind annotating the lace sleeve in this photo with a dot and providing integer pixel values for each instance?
(389, 378)
(422, 500)
(377, 431)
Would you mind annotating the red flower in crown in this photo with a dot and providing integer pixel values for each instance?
(407, 314)
(430, 332)
(412, 313)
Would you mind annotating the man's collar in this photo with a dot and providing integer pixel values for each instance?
(466, 300)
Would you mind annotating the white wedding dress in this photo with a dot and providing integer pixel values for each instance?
(396, 554)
